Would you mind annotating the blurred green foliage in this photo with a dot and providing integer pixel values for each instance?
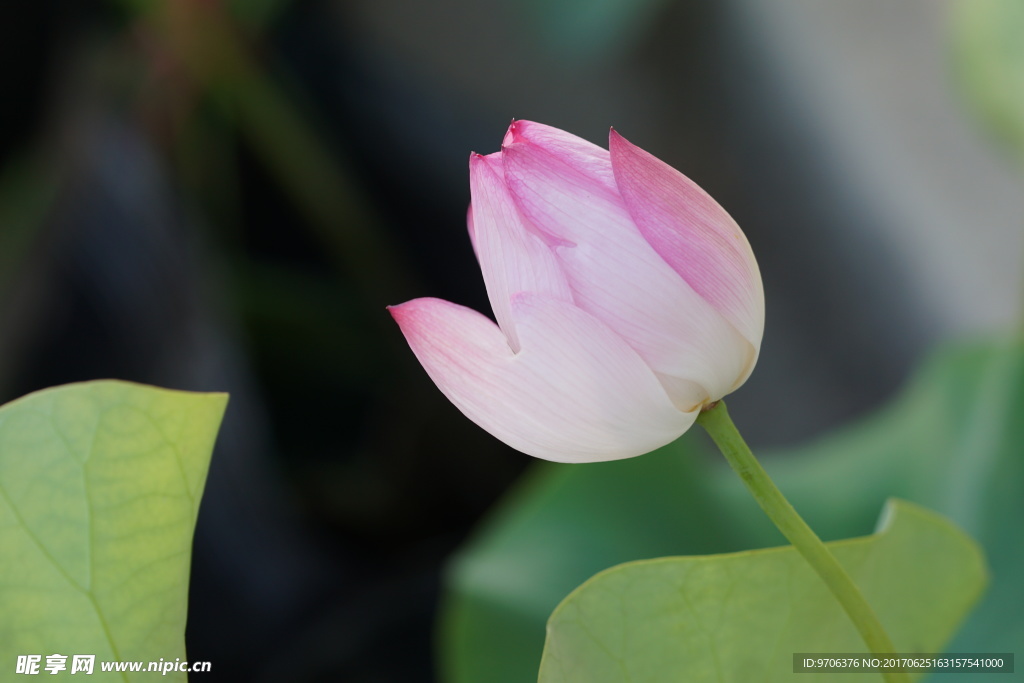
(257, 14)
(100, 486)
(262, 110)
(988, 59)
(950, 442)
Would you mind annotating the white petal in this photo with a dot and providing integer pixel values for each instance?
(575, 392)
(512, 259)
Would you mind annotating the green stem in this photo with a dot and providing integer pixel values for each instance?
(725, 435)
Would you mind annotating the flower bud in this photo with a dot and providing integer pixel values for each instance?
(625, 298)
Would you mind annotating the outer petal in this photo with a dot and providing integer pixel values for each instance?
(694, 235)
(512, 259)
(575, 392)
(565, 189)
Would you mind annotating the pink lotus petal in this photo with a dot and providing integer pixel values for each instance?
(562, 189)
(512, 259)
(693, 234)
(575, 392)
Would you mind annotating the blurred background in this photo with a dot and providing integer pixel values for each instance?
(225, 195)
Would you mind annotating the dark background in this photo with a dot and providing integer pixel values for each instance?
(216, 195)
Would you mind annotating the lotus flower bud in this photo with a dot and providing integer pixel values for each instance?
(626, 299)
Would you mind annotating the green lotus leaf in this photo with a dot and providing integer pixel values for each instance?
(742, 616)
(100, 484)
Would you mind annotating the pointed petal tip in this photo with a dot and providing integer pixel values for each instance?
(405, 311)
(396, 311)
(513, 135)
(524, 131)
(477, 157)
(616, 141)
(493, 162)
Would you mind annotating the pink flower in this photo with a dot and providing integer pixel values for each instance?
(626, 299)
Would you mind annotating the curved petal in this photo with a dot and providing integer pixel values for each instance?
(693, 234)
(575, 392)
(512, 259)
(563, 190)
